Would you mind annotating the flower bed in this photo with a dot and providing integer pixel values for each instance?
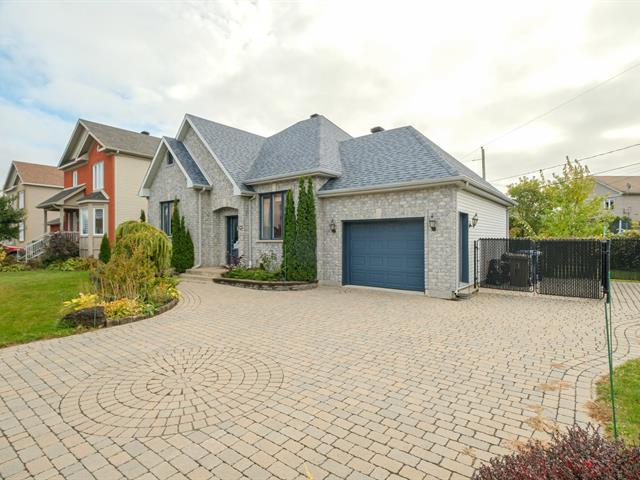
(280, 285)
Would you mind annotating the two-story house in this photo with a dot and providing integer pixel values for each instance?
(29, 184)
(103, 167)
(622, 194)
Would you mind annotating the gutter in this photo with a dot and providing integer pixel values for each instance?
(292, 176)
(389, 187)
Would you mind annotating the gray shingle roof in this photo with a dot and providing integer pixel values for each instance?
(309, 145)
(60, 196)
(182, 155)
(98, 196)
(396, 156)
(236, 149)
(120, 139)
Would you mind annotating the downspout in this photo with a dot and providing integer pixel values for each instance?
(199, 229)
(470, 290)
(251, 199)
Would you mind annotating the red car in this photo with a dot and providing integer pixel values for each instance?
(12, 250)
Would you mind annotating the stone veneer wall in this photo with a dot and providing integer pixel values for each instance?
(441, 245)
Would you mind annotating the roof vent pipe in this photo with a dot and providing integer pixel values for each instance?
(144, 132)
(377, 129)
(314, 115)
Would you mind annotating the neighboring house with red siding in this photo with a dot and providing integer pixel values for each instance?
(103, 167)
(29, 184)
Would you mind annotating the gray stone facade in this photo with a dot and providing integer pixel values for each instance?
(208, 218)
(440, 246)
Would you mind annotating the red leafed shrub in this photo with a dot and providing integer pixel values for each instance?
(577, 454)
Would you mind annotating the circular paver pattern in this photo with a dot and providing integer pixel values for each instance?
(171, 391)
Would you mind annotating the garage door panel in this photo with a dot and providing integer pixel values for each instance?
(387, 254)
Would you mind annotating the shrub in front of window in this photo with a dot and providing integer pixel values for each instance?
(578, 454)
(105, 250)
(59, 248)
(289, 240)
(182, 257)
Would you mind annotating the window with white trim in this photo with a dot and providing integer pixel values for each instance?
(609, 203)
(21, 232)
(21, 199)
(98, 176)
(74, 177)
(98, 221)
(84, 221)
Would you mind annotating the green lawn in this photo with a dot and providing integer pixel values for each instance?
(626, 384)
(30, 303)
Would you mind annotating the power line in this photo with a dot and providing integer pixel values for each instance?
(564, 163)
(538, 117)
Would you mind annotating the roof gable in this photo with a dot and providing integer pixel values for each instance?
(235, 150)
(311, 145)
(626, 185)
(182, 157)
(33, 174)
(109, 138)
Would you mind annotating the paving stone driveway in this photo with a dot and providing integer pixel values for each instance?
(348, 383)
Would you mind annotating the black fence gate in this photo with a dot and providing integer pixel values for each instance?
(571, 268)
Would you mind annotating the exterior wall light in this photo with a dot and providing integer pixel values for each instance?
(474, 221)
(432, 223)
(332, 226)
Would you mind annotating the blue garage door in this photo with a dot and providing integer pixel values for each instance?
(387, 253)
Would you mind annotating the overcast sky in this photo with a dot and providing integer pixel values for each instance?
(462, 73)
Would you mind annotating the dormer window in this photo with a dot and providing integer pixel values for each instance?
(169, 158)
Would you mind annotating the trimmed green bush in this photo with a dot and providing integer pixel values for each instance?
(289, 257)
(105, 250)
(253, 274)
(143, 216)
(182, 257)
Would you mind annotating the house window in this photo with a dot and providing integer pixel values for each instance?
(271, 215)
(74, 177)
(21, 199)
(169, 158)
(98, 221)
(98, 176)
(608, 203)
(84, 221)
(21, 232)
(166, 210)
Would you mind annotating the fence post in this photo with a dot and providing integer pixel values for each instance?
(475, 264)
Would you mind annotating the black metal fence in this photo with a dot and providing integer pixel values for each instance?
(572, 268)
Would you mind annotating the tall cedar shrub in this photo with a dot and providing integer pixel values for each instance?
(289, 257)
(143, 216)
(313, 235)
(182, 255)
(105, 250)
(306, 268)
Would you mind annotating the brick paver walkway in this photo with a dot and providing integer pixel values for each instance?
(348, 383)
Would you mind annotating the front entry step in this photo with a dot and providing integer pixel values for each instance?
(202, 275)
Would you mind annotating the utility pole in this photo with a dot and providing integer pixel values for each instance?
(484, 171)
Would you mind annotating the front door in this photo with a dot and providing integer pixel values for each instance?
(463, 248)
(232, 240)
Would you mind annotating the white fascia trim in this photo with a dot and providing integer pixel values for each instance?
(43, 185)
(236, 188)
(488, 195)
(66, 148)
(144, 188)
(292, 176)
(390, 187)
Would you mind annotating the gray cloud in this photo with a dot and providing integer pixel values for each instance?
(461, 79)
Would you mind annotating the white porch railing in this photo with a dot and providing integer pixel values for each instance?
(37, 246)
